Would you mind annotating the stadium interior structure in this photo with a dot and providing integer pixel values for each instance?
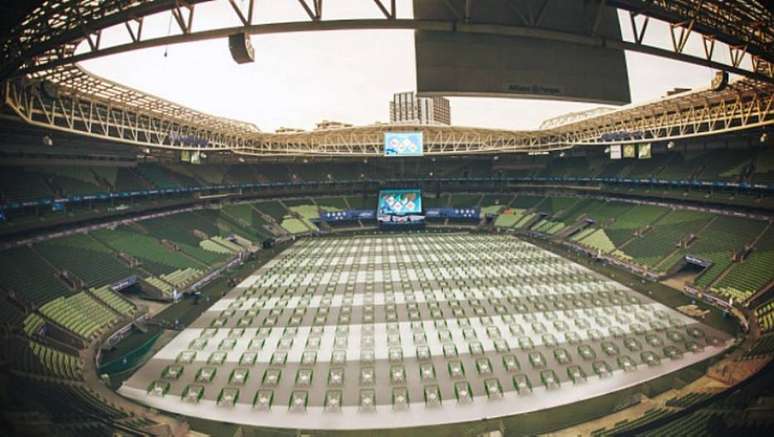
(169, 272)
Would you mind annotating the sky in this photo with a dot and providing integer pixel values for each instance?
(299, 79)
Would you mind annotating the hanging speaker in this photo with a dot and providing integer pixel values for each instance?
(241, 48)
(720, 81)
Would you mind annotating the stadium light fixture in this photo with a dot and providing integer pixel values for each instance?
(48, 141)
(764, 137)
(670, 145)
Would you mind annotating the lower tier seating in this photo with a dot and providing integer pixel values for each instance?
(80, 314)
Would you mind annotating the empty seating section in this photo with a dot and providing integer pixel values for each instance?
(575, 212)
(682, 166)
(157, 176)
(307, 211)
(724, 165)
(431, 201)
(73, 180)
(361, 202)
(164, 287)
(242, 174)
(599, 240)
(763, 346)
(183, 176)
(210, 174)
(694, 424)
(578, 236)
(34, 186)
(525, 201)
(295, 226)
(32, 324)
(155, 257)
(213, 246)
(58, 363)
(272, 208)
(569, 167)
(28, 275)
(203, 256)
(114, 301)
(240, 219)
(753, 273)
(180, 227)
(635, 217)
(10, 315)
(496, 199)
(231, 246)
(464, 200)
(648, 167)
(687, 400)
(718, 242)
(508, 217)
(554, 205)
(80, 314)
(128, 180)
(86, 258)
(182, 278)
(547, 226)
(662, 240)
(331, 203)
(765, 316)
(626, 424)
(764, 167)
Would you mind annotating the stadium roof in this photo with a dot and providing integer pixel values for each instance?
(50, 90)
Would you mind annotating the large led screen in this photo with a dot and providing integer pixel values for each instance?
(403, 144)
(400, 202)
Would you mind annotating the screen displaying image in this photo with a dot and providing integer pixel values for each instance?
(630, 151)
(400, 202)
(403, 144)
(644, 151)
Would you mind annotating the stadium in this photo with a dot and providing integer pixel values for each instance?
(168, 269)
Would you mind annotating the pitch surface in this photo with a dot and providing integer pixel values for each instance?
(403, 330)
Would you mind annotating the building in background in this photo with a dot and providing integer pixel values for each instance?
(407, 108)
(330, 124)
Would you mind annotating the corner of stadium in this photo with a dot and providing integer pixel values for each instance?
(170, 272)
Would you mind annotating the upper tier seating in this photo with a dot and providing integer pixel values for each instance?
(26, 273)
(158, 177)
(34, 186)
(155, 257)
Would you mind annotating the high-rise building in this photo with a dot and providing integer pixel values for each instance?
(407, 108)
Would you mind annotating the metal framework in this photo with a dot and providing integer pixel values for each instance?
(50, 35)
(44, 86)
(91, 106)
